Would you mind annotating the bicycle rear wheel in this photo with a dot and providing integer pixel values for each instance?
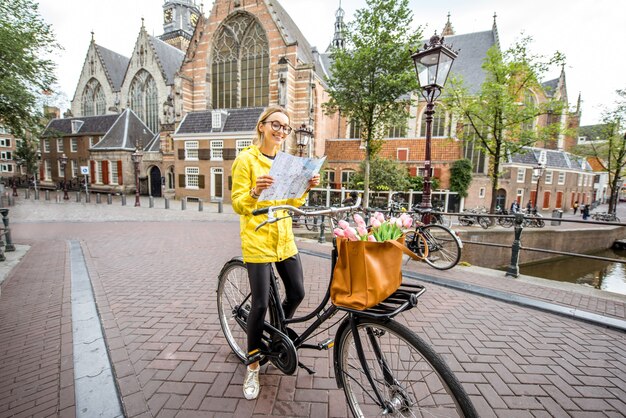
(444, 251)
(412, 379)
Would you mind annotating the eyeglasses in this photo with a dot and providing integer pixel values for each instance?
(276, 126)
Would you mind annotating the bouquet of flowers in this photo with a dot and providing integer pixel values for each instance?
(380, 229)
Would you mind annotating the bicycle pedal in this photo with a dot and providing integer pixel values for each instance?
(326, 344)
(253, 357)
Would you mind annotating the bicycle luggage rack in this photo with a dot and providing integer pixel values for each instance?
(401, 300)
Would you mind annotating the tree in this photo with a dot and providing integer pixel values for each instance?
(372, 76)
(497, 118)
(610, 152)
(385, 174)
(26, 154)
(461, 176)
(25, 73)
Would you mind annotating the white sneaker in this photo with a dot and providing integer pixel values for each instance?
(251, 385)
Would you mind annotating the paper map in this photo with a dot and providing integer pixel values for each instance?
(291, 176)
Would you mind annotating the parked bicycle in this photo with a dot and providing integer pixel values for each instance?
(436, 215)
(444, 245)
(504, 221)
(471, 217)
(382, 366)
(533, 219)
(605, 217)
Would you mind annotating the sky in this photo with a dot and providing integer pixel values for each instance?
(574, 27)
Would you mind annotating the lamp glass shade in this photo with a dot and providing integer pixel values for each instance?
(433, 66)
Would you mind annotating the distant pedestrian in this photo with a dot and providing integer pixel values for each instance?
(575, 206)
(515, 207)
(585, 212)
(529, 207)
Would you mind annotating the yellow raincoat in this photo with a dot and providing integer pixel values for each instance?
(272, 242)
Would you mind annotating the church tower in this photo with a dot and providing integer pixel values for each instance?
(179, 21)
(340, 27)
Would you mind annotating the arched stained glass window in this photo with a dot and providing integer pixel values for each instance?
(144, 99)
(240, 64)
(93, 101)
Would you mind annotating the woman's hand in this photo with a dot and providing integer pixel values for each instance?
(315, 181)
(263, 182)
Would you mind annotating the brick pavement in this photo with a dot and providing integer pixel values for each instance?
(154, 284)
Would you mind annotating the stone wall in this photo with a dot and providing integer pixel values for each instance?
(573, 240)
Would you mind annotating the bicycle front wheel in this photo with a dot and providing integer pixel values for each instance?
(410, 377)
(233, 300)
(444, 250)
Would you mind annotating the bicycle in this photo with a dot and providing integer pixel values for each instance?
(381, 365)
(443, 244)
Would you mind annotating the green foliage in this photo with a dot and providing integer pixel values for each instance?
(417, 183)
(461, 176)
(372, 74)
(26, 153)
(384, 175)
(24, 72)
(498, 117)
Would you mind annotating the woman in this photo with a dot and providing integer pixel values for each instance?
(274, 243)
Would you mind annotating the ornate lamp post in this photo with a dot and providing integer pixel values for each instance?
(538, 172)
(63, 162)
(432, 65)
(136, 157)
(303, 135)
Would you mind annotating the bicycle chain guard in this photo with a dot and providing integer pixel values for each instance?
(284, 355)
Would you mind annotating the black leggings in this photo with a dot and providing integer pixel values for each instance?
(290, 271)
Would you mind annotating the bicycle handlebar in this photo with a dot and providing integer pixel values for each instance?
(294, 210)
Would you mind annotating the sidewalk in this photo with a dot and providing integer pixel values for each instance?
(153, 273)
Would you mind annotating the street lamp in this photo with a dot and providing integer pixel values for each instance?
(63, 162)
(538, 172)
(432, 65)
(303, 135)
(37, 172)
(136, 157)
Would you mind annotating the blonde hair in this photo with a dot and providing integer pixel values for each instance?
(269, 111)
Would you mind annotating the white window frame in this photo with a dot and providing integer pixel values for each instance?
(74, 168)
(59, 170)
(217, 150)
(561, 179)
(520, 195)
(59, 144)
(98, 178)
(6, 168)
(192, 173)
(481, 193)
(6, 155)
(191, 150)
(114, 177)
(548, 177)
(521, 174)
(398, 153)
(241, 144)
(47, 170)
(580, 180)
(349, 174)
(214, 172)
(74, 144)
(46, 145)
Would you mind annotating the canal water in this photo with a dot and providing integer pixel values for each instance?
(603, 275)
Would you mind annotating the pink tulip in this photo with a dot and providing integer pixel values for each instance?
(371, 238)
(362, 230)
(339, 232)
(398, 222)
(359, 220)
(343, 224)
(380, 217)
(375, 223)
(408, 222)
(350, 233)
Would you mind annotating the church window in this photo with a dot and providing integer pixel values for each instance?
(144, 99)
(240, 64)
(439, 127)
(472, 151)
(93, 102)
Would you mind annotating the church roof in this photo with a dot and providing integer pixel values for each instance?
(169, 57)
(290, 31)
(237, 120)
(154, 145)
(91, 125)
(114, 66)
(127, 130)
(472, 49)
(554, 159)
(550, 87)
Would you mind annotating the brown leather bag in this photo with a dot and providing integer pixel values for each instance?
(366, 273)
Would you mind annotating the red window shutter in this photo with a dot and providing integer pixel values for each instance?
(437, 172)
(92, 163)
(105, 172)
(120, 179)
(403, 155)
(413, 171)
(41, 172)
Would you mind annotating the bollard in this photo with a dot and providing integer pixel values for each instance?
(322, 237)
(167, 203)
(47, 194)
(98, 198)
(87, 197)
(123, 200)
(220, 206)
(77, 197)
(200, 206)
(183, 204)
(151, 200)
(27, 194)
(36, 194)
(7, 231)
(109, 198)
(11, 201)
(513, 270)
